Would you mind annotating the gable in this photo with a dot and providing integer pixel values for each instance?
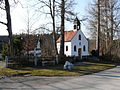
(80, 36)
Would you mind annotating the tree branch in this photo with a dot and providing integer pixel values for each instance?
(2, 8)
(3, 23)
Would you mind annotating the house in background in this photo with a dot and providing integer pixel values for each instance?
(76, 44)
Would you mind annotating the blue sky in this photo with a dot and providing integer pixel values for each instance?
(18, 15)
(82, 5)
(81, 8)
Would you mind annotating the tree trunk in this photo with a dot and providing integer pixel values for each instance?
(9, 26)
(98, 29)
(54, 34)
(52, 13)
(107, 30)
(62, 27)
(112, 22)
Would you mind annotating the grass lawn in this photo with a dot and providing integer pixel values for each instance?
(87, 68)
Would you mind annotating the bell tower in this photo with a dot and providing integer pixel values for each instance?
(77, 24)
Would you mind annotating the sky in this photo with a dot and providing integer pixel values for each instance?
(19, 18)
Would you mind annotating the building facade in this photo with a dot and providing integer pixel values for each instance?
(76, 44)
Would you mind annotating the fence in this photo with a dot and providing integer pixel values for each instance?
(39, 61)
(32, 61)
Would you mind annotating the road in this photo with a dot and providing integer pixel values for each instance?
(105, 80)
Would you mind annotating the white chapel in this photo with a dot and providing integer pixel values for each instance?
(75, 42)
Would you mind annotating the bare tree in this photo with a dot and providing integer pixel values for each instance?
(66, 12)
(62, 27)
(98, 28)
(52, 8)
(30, 21)
(51, 5)
(8, 24)
(109, 23)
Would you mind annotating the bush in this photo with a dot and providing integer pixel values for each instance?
(94, 53)
(5, 51)
(110, 58)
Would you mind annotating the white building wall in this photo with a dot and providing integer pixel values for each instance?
(67, 53)
(79, 44)
(84, 42)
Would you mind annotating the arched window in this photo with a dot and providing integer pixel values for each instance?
(84, 48)
(66, 48)
(75, 48)
(75, 27)
(79, 38)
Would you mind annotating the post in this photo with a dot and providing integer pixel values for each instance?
(56, 59)
(35, 59)
(6, 61)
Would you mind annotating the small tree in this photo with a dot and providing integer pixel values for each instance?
(18, 45)
(5, 51)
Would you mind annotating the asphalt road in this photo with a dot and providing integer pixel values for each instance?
(105, 80)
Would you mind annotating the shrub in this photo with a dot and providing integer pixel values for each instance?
(94, 53)
(5, 51)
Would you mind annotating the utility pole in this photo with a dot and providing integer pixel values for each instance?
(98, 30)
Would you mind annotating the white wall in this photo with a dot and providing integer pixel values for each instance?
(68, 53)
(79, 44)
(84, 42)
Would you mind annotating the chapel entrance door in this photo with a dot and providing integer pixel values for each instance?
(79, 52)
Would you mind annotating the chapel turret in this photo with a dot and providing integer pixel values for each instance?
(77, 24)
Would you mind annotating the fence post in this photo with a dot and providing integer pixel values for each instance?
(6, 61)
(56, 59)
(35, 61)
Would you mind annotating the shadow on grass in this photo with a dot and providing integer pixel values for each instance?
(57, 70)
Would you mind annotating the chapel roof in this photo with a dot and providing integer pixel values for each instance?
(68, 35)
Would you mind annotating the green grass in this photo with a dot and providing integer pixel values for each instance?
(87, 68)
(8, 71)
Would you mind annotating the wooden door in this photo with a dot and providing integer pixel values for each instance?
(79, 52)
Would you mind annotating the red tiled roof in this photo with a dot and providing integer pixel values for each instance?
(68, 35)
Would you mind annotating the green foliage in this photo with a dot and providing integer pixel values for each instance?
(94, 53)
(5, 51)
(18, 45)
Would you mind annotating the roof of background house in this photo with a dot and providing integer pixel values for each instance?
(68, 35)
(4, 39)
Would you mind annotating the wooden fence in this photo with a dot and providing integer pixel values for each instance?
(32, 61)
